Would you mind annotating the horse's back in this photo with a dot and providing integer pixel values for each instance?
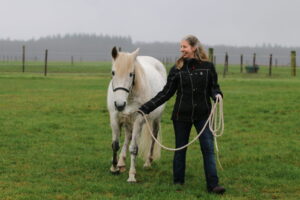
(149, 63)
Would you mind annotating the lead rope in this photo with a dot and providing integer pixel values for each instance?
(216, 124)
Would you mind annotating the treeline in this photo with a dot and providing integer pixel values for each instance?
(92, 47)
(86, 47)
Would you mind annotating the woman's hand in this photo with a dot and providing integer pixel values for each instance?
(219, 96)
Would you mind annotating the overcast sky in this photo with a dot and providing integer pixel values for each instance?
(230, 22)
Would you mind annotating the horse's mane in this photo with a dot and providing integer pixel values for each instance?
(139, 81)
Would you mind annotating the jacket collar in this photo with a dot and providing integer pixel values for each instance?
(191, 60)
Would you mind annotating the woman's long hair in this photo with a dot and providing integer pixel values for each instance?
(200, 53)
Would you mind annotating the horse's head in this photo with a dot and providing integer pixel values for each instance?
(123, 75)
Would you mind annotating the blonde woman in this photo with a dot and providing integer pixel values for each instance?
(195, 80)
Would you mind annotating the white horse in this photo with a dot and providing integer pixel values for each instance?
(135, 80)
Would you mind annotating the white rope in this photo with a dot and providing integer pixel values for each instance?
(216, 126)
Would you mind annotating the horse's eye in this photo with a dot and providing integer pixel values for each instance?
(131, 74)
(113, 73)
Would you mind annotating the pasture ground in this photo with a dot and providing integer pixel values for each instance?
(55, 139)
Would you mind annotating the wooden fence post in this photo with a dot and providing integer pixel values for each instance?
(211, 54)
(270, 65)
(254, 62)
(215, 59)
(23, 58)
(293, 62)
(242, 62)
(254, 59)
(227, 58)
(46, 62)
(225, 65)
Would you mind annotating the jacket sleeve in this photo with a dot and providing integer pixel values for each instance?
(215, 88)
(165, 94)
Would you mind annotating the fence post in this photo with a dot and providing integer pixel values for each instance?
(270, 65)
(225, 65)
(23, 58)
(293, 62)
(254, 62)
(242, 60)
(211, 54)
(46, 62)
(227, 58)
(215, 60)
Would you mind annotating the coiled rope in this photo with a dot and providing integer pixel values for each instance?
(216, 126)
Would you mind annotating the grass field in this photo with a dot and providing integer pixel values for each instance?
(55, 139)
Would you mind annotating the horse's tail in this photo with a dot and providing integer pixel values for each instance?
(146, 141)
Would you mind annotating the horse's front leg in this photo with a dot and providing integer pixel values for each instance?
(133, 148)
(116, 128)
(122, 156)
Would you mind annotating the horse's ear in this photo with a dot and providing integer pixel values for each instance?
(114, 52)
(135, 53)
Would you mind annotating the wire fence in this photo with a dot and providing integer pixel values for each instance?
(232, 65)
(104, 69)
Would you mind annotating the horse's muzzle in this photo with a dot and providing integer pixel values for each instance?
(120, 107)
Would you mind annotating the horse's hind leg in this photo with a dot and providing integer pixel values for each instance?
(116, 128)
(122, 156)
(155, 130)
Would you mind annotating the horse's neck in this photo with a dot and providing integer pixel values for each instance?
(140, 82)
(139, 76)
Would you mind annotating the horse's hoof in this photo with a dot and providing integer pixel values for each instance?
(131, 179)
(115, 170)
(147, 165)
(122, 169)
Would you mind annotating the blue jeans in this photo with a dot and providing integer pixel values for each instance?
(182, 133)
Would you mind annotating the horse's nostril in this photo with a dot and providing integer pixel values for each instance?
(120, 107)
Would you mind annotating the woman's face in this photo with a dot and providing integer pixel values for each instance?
(186, 49)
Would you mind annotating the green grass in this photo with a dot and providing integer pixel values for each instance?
(55, 139)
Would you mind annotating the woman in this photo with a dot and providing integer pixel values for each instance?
(195, 80)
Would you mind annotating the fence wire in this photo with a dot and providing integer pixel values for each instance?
(91, 62)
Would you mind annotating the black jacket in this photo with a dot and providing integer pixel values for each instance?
(195, 83)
